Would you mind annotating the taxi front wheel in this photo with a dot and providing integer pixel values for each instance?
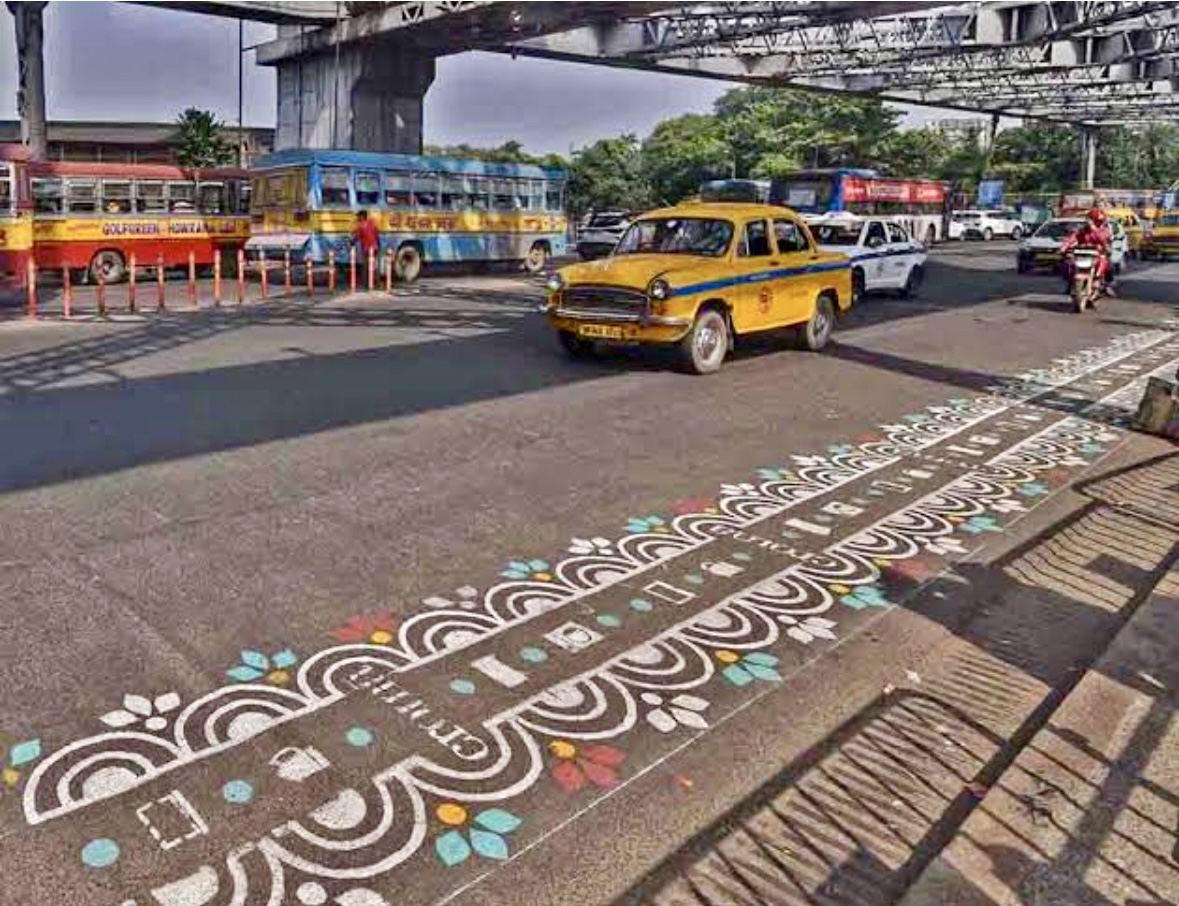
(703, 349)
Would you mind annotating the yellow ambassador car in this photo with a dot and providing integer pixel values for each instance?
(698, 275)
(1162, 240)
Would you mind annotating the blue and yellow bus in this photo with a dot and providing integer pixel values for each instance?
(428, 209)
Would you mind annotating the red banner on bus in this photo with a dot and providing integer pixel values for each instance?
(903, 191)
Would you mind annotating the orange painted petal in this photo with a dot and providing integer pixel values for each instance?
(604, 755)
(568, 776)
(600, 775)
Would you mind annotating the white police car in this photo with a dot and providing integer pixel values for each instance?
(883, 255)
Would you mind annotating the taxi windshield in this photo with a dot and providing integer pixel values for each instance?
(677, 236)
(838, 234)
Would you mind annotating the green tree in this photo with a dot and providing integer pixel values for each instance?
(608, 174)
(684, 152)
(915, 152)
(1037, 157)
(200, 142)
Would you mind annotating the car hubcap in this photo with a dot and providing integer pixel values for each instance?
(707, 342)
(821, 324)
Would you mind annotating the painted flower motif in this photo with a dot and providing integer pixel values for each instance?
(738, 490)
(588, 546)
(743, 669)
(371, 629)
(138, 708)
(864, 596)
(14, 758)
(1007, 506)
(468, 599)
(640, 525)
(530, 570)
(915, 418)
(1032, 489)
(255, 666)
(943, 546)
(840, 449)
(678, 711)
(483, 835)
(574, 768)
(775, 474)
(808, 629)
(698, 505)
(977, 525)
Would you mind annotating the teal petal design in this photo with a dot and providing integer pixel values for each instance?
(24, 752)
(760, 657)
(452, 848)
(499, 820)
(489, 845)
(769, 674)
(518, 566)
(538, 565)
(244, 674)
(737, 675)
(255, 659)
(285, 658)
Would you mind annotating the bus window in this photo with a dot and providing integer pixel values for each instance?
(503, 195)
(425, 190)
(334, 193)
(181, 197)
(397, 190)
(211, 198)
(82, 196)
(480, 194)
(116, 196)
(453, 191)
(149, 198)
(368, 188)
(554, 196)
(7, 195)
(239, 196)
(47, 196)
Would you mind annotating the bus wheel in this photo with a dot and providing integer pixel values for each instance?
(930, 237)
(538, 257)
(407, 264)
(110, 265)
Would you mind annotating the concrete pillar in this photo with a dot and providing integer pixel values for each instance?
(362, 97)
(1088, 156)
(30, 91)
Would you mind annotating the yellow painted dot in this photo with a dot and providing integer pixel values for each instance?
(278, 677)
(562, 749)
(544, 577)
(449, 813)
(840, 590)
(10, 777)
(381, 637)
(727, 657)
(880, 561)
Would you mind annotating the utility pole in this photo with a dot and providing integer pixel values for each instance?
(1088, 156)
(30, 92)
(241, 133)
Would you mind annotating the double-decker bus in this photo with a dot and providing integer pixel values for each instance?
(92, 217)
(16, 215)
(922, 206)
(428, 209)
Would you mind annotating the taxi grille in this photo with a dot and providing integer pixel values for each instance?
(604, 301)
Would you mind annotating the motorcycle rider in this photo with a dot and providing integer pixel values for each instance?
(1093, 234)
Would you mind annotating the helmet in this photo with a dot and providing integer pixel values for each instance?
(1097, 217)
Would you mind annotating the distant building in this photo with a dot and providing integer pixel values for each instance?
(129, 143)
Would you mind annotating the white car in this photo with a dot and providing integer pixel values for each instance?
(600, 232)
(883, 254)
(1042, 248)
(986, 225)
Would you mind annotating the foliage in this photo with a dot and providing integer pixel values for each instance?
(510, 152)
(200, 142)
(684, 152)
(609, 174)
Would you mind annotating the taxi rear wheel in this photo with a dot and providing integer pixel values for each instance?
(703, 349)
(817, 331)
(857, 286)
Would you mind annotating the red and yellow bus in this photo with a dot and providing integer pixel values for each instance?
(16, 215)
(92, 217)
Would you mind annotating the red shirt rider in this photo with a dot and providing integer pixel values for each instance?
(1094, 234)
(366, 235)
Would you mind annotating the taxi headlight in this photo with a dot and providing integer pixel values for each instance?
(555, 283)
(659, 290)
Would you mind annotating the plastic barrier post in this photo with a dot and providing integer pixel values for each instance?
(389, 271)
(309, 273)
(372, 270)
(67, 294)
(131, 306)
(101, 289)
(31, 276)
(286, 273)
(331, 272)
(262, 265)
(241, 276)
(192, 293)
(217, 278)
(160, 291)
(352, 269)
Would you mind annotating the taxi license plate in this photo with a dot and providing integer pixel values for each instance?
(600, 332)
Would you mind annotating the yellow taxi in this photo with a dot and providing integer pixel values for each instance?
(697, 276)
(1133, 226)
(1162, 239)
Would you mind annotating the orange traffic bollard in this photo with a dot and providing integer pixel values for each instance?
(262, 266)
(217, 278)
(131, 285)
(160, 291)
(372, 270)
(352, 269)
(388, 270)
(101, 289)
(192, 292)
(67, 294)
(331, 272)
(309, 272)
(286, 273)
(31, 277)
(241, 276)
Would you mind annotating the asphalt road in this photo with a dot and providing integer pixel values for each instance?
(384, 600)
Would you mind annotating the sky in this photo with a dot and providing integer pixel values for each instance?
(115, 61)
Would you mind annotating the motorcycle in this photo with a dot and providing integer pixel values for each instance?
(1085, 288)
